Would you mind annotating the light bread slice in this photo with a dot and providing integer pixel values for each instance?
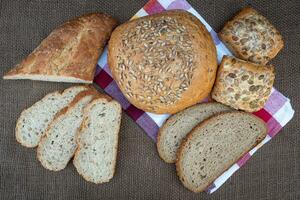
(58, 145)
(179, 125)
(33, 121)
(95, 158)
(215, 145)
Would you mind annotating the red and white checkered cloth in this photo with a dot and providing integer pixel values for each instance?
(276, 113)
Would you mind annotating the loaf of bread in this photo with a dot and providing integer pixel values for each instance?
(250, 36)
(58, 144)
(215, 145)
(180, 124)
(243, 85)
(97, 139)
(70, 53)
(163, 63)
(33, 121)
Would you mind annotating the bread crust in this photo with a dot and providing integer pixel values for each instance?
(190, 135)
(57, 118)
(205, 63)
(226, 35)
(251, 101)
(17, 129)
(70, 52)
(83, 125)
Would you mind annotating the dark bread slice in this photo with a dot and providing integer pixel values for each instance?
(180, 124)
(215, 145)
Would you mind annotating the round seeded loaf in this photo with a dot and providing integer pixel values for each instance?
(163, 63)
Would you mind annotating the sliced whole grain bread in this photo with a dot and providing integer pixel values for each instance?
(179, 125)
(97, 139)
(215, 145)
(58, 145)
(33, 121)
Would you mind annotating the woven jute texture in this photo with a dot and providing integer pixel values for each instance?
(273, 172)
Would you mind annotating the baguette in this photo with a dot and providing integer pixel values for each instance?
(70, 52)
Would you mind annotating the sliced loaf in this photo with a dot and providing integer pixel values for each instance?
(33, 121)
(95, 158)
(179, 125)
(58, 145)
(215, 145)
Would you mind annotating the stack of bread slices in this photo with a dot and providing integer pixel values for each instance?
(79, 123)
(205, 140)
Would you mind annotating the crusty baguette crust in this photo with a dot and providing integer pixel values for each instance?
(63, 112)
(17, 129)
(161, 131)
(69, 53)
(205, 63)
(84, 125)
(190, 135)
(237, 49)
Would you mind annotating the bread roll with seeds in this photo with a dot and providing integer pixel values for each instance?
(250, 36)
(243, 85)
(215, 145)
(163, 63)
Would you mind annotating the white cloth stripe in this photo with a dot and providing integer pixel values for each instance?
(165, 3)
(223, 178)
(284, 114)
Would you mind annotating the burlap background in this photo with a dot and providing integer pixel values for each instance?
(273, 173)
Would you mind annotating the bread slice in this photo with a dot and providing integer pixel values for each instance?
(95, 158)
(58, 145)
(180, 124)
(215, 145)
(243, 85)
(251, 37)
(33, 121)
(70, 52)
(163, 63)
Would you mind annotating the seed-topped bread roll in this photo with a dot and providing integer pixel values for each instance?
(243, 85)
(252, 37)
(163, 63)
